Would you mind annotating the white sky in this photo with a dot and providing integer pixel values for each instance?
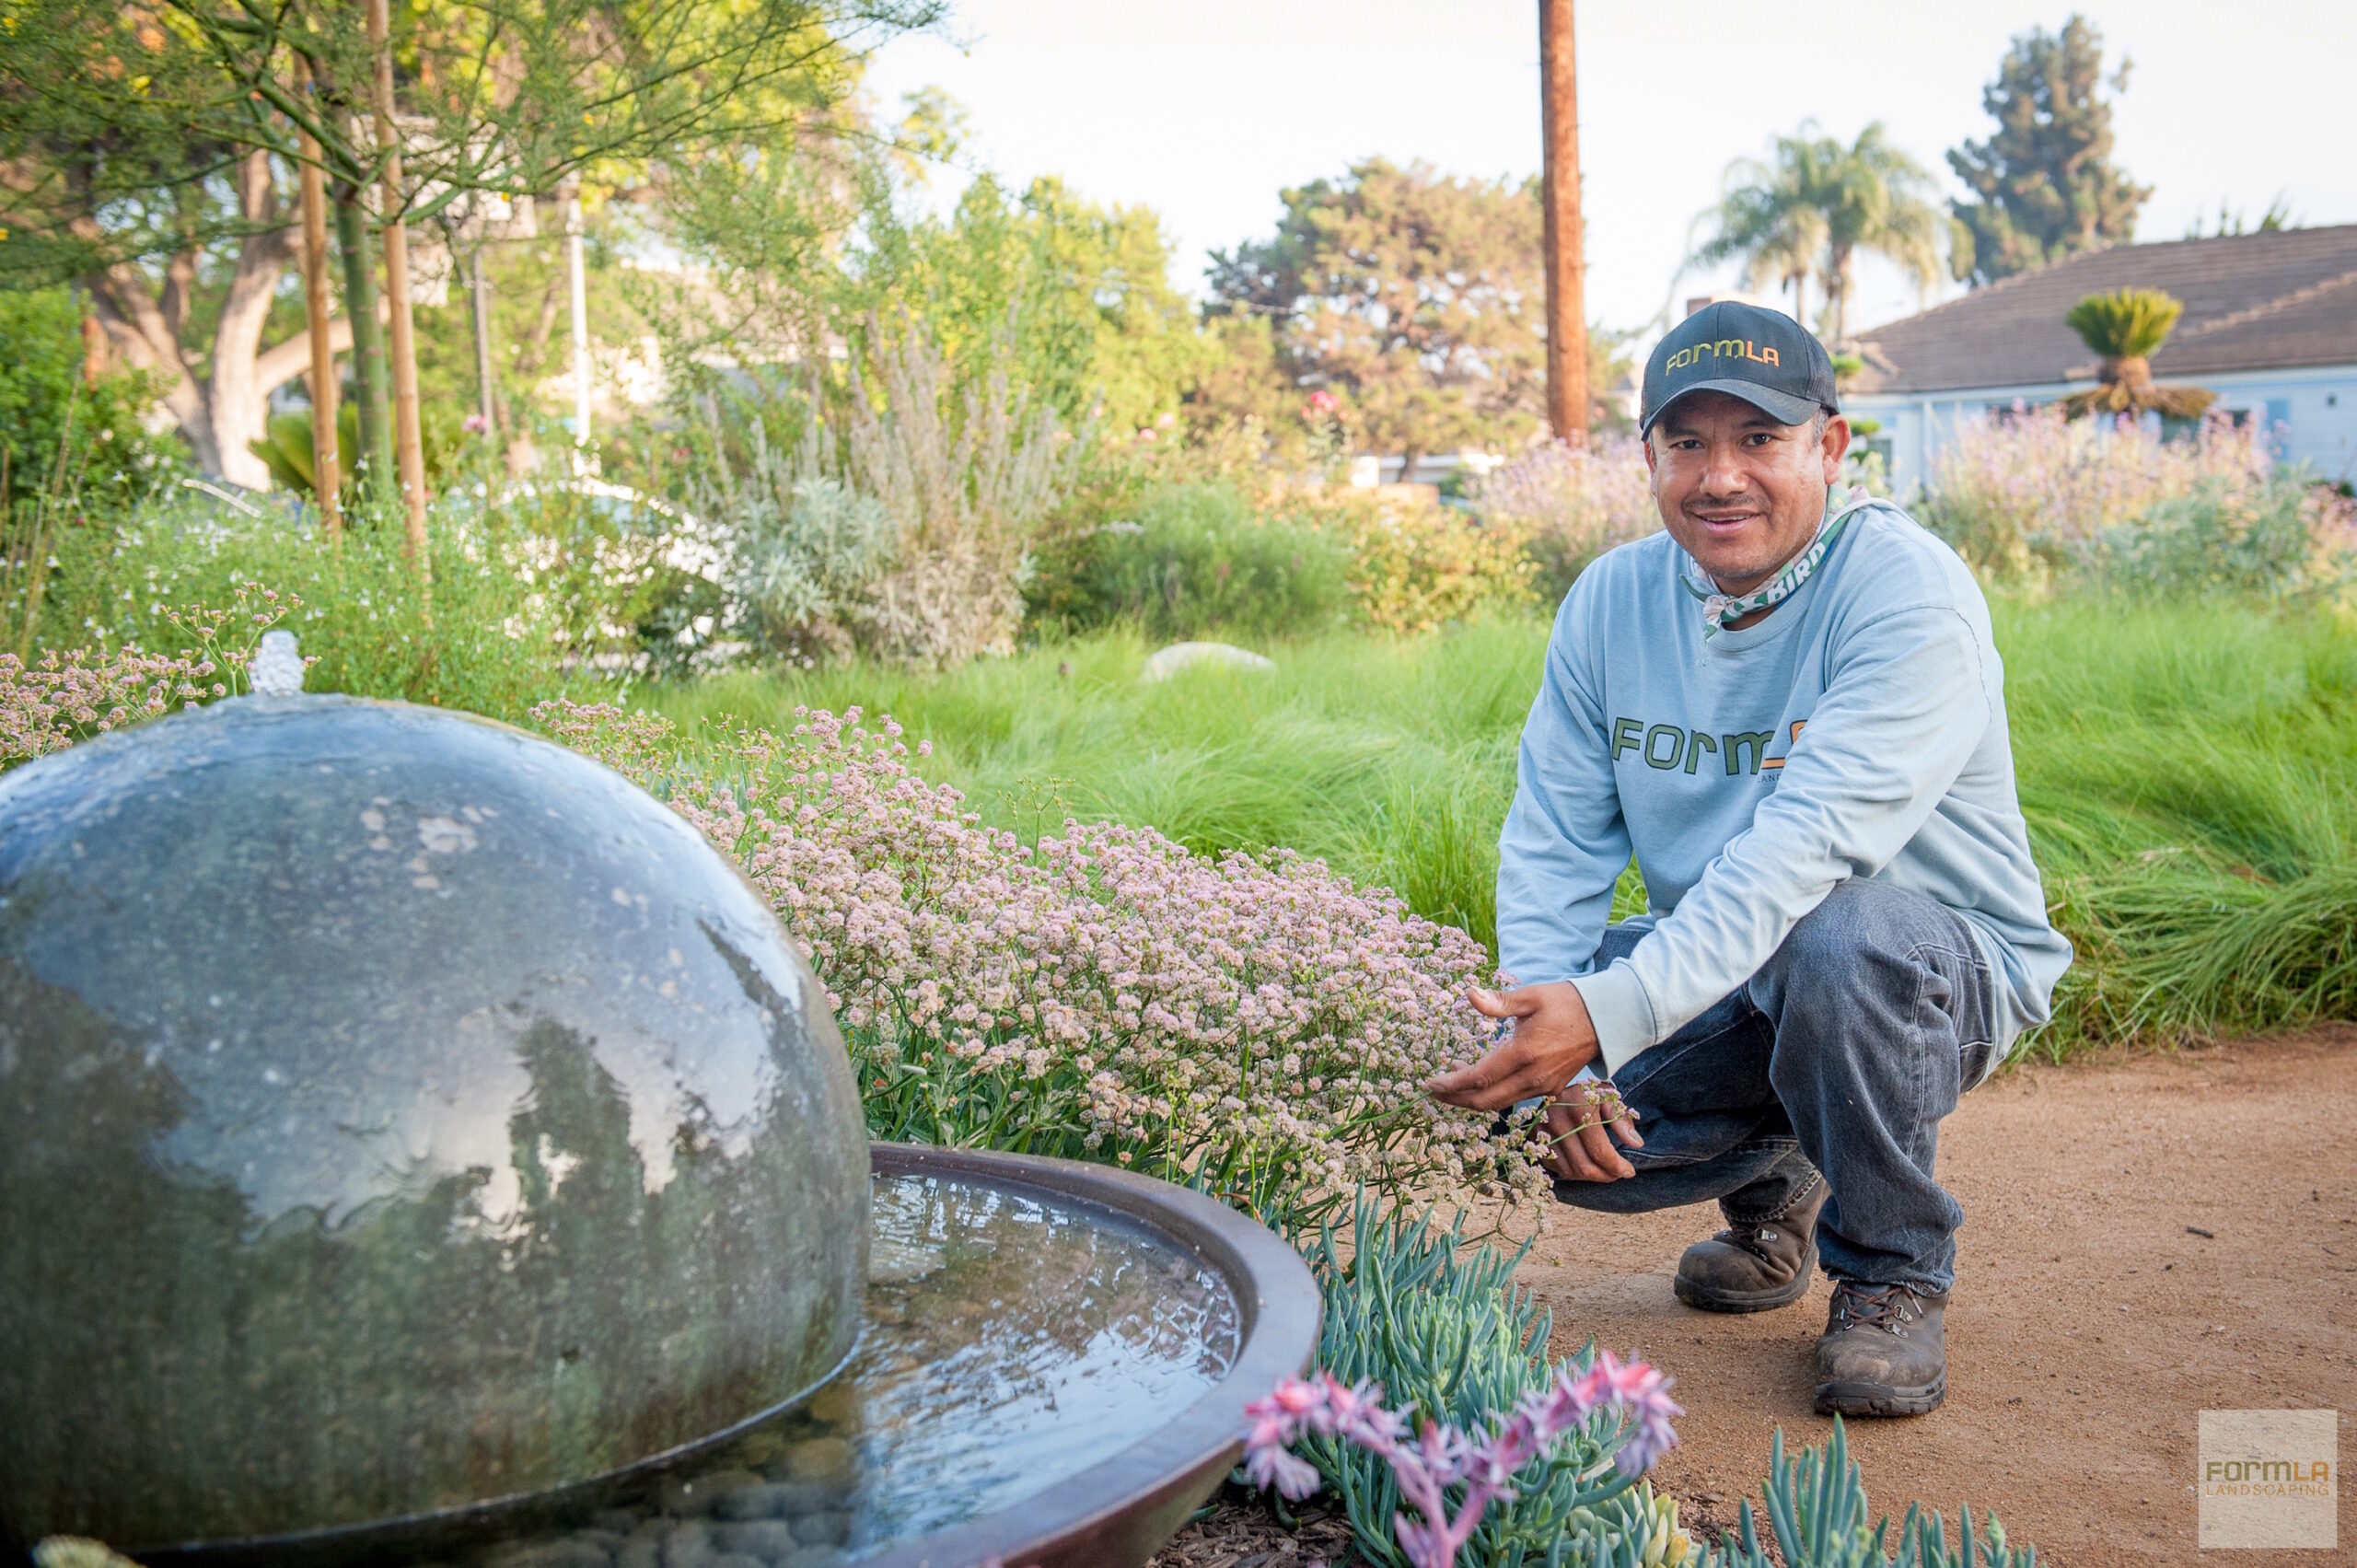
(1203, 111)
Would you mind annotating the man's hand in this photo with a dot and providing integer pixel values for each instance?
(1553, 1039)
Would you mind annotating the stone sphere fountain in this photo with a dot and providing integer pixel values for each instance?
(417, 1143)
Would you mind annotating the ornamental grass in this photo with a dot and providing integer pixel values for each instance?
(1254, 1026)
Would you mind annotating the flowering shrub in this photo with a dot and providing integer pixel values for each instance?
(1256, 1027)
(1441, 1457)
(482, 637)
(1575, 502)
(2027, 491)
(56, 701)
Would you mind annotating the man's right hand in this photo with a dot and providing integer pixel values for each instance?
(1553, 1039)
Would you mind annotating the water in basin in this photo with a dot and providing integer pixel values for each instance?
(1012, 1340)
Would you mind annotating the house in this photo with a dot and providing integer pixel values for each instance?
(2270, 326)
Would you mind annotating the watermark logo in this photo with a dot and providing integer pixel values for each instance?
(2269, 1478)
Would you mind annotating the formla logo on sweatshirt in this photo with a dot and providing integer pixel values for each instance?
(1668, 747)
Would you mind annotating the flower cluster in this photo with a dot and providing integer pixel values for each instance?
(1439, 1457)
(1256, 1026)
(57, 700)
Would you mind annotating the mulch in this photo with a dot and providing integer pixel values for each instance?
(1241, 1531)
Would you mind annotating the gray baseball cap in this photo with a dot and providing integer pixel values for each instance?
(1762, 357)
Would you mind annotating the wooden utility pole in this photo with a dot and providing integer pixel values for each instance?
(1566, 272)
(318, 310)
(409, 447)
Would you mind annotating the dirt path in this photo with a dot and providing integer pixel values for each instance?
(2089, 1324)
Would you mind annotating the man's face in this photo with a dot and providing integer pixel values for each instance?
(1741, 492)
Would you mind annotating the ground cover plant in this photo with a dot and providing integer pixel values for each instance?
(1254, 1026)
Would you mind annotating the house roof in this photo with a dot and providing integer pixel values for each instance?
(2252, 302)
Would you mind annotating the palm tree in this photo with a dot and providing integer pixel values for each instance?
(1877, 198)
(1768, 215)
(1813, 204)
(2128, 327)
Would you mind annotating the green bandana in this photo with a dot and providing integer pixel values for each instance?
(1718, 609)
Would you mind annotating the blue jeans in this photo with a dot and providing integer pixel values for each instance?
(1841, 1056)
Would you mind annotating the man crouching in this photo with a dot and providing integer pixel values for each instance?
(1791, 710)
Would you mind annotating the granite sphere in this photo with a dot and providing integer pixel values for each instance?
(398, 1114)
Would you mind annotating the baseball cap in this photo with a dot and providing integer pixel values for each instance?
(1746, 351)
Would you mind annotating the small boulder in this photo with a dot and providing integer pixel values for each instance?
(1169, 661)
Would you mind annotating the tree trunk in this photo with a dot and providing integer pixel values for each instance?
(318, 310)
(217, 414)
(409, 442)
(371, 388)
(1567, 391)
(479, 308)
(237, 403)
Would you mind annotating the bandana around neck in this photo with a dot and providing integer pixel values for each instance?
(1718, 609)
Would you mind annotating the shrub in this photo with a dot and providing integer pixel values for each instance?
(1255, 1026)
(1196, 559)
(59, 700)
(1416, 566)
(1575, 502)
(480, 639)
(2029, 493)
(623, 582)
(58, 432)
(929, 569)
(2282, 540)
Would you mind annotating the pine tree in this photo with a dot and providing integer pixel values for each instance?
(2046, 184)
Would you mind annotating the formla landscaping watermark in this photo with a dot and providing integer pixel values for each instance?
(2270, 1479)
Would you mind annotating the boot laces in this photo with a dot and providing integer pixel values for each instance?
(1892, 1308)
(1754, 1239)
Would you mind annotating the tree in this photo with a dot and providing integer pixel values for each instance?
(2043, 185)
(1415, 297)
(141, 149)
(1082, 292)
(1814, 203)
(1769, 218)
(2128, 327)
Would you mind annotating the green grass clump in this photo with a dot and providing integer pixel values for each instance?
(1195, 560)
(2186, 772)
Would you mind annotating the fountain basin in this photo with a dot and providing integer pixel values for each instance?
(1052, 1371)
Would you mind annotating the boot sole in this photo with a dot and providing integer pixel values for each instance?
(1737, 1301)
(1880, 1398)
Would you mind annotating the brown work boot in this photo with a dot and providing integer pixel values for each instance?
(1884, 1351)
(1750, 1268)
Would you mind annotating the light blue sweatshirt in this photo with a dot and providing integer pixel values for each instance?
(1858, 731)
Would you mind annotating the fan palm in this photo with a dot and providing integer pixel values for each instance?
(1813, 204)
(2127, 327)
(1767, 216)
(1875, 198)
